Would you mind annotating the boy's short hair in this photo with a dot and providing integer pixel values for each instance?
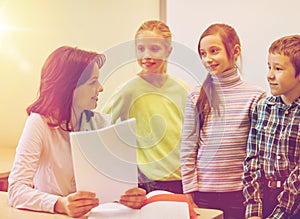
(288, 46)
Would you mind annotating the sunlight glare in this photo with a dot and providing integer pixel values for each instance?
(4, 27)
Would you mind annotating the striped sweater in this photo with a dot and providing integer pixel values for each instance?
(215, 164)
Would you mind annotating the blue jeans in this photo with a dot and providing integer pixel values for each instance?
(170, 186)
(231, 203)
(174, 186)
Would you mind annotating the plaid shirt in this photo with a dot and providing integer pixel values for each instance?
(273, 153)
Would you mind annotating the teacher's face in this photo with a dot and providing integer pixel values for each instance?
(86, 95)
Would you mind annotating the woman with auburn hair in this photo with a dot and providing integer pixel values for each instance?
(42, 176)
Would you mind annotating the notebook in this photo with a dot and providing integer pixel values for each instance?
(105, 160)
(159, 205)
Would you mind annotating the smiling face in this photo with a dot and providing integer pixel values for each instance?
(282, 78)
(152, 52)
(86, 95)
(214, 56)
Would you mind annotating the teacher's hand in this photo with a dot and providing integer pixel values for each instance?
(76, 204)
(134, 198)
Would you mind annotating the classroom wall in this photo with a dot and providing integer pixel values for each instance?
(258, 23)
(30, 30)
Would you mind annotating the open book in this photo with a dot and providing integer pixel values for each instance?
(104, 160)
(159, 205)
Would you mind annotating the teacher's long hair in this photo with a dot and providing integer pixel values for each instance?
(65, 69)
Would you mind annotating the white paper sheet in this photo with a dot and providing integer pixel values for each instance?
(105, 160)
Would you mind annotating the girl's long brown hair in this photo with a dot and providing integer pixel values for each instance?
(208, 97)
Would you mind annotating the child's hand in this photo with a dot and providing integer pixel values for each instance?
(76, 204)
(134, 198)
(191, 200)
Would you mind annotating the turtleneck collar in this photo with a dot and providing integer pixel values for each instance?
(227, 78)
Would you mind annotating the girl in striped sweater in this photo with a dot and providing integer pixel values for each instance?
(216, 126)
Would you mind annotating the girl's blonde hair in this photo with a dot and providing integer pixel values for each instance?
(157, 26)
(160, 28)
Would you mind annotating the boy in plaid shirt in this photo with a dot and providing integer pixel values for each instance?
(271, 170)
